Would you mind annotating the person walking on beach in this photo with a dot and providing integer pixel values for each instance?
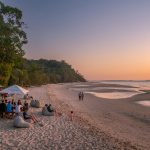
(82, 96)
(79, 96)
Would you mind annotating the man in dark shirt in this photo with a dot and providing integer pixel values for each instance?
(2, 109)
(27, 116)
(49, 108)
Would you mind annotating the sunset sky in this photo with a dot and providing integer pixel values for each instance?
(102, 39)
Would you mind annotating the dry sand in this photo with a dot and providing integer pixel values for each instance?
(97, 123)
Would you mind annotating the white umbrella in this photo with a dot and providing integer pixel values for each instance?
(15, 89)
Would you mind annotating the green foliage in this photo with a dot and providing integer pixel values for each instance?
(37, 72)
(12, 38)
(5, 71)
(59, 71)
(16, 70)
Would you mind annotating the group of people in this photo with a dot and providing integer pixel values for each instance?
(27, 97)
(10, 109)
(48, 108)
(81, 96)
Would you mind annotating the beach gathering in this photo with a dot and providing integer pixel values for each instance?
(74, 75)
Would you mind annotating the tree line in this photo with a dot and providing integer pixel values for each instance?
(37, 72)
(14, 69)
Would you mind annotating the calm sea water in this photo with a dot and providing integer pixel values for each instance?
(143, 85)
(139, 85)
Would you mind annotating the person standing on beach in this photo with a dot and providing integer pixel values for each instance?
(9, 110)
(13, 106)
(2, 109)
(79, 96)
(18, 107)
(82, 96)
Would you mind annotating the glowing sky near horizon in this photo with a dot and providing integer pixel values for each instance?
(102, 39)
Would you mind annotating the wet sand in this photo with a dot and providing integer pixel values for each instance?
(123, 119)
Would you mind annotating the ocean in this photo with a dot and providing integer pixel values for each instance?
(114, 91)
(141, 84)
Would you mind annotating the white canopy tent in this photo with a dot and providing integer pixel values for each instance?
(15, 89)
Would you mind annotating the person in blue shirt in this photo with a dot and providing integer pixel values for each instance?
(9, 109)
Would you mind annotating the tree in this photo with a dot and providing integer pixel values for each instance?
(38, 72)
(5, 71)
(12, 38)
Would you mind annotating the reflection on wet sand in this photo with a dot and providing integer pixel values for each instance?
(144, 103)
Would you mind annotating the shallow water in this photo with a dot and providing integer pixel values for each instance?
(114, 95)
(140, 85)
(144, 103)
(144, 85)
(81, 85)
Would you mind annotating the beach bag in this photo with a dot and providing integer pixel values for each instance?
(20, 123)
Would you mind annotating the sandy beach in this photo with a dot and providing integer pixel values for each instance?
(97, 123)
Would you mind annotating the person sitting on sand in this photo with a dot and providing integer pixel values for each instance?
(27, 96)
(49, 108)
(27, 116)
(46, 105)
(46, 112)
(26, 105)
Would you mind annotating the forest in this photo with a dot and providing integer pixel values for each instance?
(14, 68)
(37, 72)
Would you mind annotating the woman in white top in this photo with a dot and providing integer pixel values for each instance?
(18, 107)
